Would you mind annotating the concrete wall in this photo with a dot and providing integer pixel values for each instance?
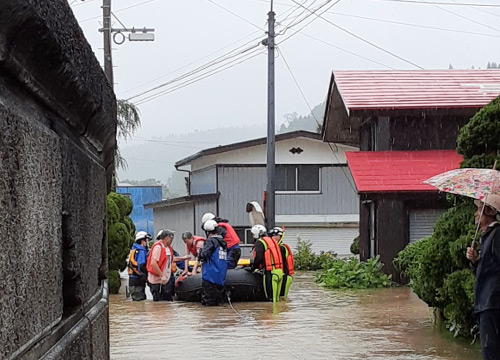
(57, 141)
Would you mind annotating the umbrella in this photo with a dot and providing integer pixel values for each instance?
(474, 183)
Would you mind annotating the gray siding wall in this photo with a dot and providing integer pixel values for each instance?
(204, 181)
(200, 209)
(178, 218)
(239, 185)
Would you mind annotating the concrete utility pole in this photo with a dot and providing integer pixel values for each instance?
(106, 31)
(270, 169)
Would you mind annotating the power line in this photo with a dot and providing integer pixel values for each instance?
(314, 116)
(442, 3)
(366, 41)
(117, 11)
(214, 62)
(468, 19)
(199, 78)
(174, 141)
(482, 10)
(233, 13)
(195, 61)
(118, 20)
(347, 51)
(415, 25)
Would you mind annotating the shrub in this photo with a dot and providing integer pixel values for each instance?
(120, 230)
(355, 246)
(305, 259)
(353, 274)
(114, 282)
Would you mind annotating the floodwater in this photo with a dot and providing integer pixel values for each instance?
(313, 324)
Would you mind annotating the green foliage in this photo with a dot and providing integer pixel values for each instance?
(121, 230)
(355, 246)
(481, 135)
(305, 259)
(114, 282)
(353, 274)
(458, 295)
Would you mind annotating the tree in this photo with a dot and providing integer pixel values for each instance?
(436, 265)
(311, 122)
(128, 121)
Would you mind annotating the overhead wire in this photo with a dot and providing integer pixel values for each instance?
(233, 13)
(117, 11)
(441, 3)
(479, 9)
(468, 19)
(367, 41)
(195, 61)
(174, 141)
(314, 116)
(201, 68)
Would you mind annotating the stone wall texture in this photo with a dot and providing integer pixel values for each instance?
(57, 141)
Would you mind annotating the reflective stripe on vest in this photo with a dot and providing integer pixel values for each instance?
(289, 259)
(272, 254)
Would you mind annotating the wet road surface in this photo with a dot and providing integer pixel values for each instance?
(314, 323)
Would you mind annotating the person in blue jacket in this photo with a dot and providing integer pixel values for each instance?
(213, 257)
(137, 273)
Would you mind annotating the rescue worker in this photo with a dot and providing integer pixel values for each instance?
(230, 236)
(159, 266)
(486, 266)
(267, 257)
(137, 273)
(277, 234)
(194, 244)
(214, 265)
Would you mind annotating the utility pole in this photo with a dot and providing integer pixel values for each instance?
(106, 31)
(270, 168)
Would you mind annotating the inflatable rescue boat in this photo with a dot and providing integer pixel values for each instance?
(241, 285)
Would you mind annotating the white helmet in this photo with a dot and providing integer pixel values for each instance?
(210, 225)
(257, 231)
(141, 235)
(206, 217)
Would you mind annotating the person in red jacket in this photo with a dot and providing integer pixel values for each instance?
(230, 236)
(194, 244)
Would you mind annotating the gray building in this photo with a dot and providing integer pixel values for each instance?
(315, 195)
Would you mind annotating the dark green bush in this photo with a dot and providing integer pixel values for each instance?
(114, 282)
(305, 259)
(120, 230)
(353, 274)
(355, 246)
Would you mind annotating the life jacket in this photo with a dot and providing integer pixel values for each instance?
(136, 261)
(230, 236)
(214, 268)
(163, 258)
(193, 248)
(289, 258)
(272, 254)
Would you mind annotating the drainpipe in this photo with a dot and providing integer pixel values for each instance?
(189, 178)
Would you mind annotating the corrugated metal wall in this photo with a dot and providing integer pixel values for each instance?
(204, 181)
(422, 222)
(178, 218)
(239, 185)
(338, 240)
(199, 210)
(142, 218)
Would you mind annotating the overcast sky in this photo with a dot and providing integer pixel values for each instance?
(192, 33)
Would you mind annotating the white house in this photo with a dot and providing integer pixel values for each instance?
(315, 197)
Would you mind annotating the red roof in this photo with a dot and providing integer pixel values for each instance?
(395, 171)
(417, 89)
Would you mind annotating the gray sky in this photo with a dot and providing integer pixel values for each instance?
(190, 33)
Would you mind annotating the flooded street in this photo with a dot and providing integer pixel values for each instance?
(314, 323)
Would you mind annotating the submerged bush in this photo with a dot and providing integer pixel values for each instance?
(353, 274)
(305, 259)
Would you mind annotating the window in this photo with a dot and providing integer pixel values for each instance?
(245, 235)
(298, 178)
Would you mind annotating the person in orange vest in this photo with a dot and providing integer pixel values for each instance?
(159, 266)
(230, 236)
(267, 257)
(194, 244)
(277, 234)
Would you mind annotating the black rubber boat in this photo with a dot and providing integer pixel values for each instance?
(241, 284)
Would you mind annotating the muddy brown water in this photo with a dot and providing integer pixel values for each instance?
(313, 324)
